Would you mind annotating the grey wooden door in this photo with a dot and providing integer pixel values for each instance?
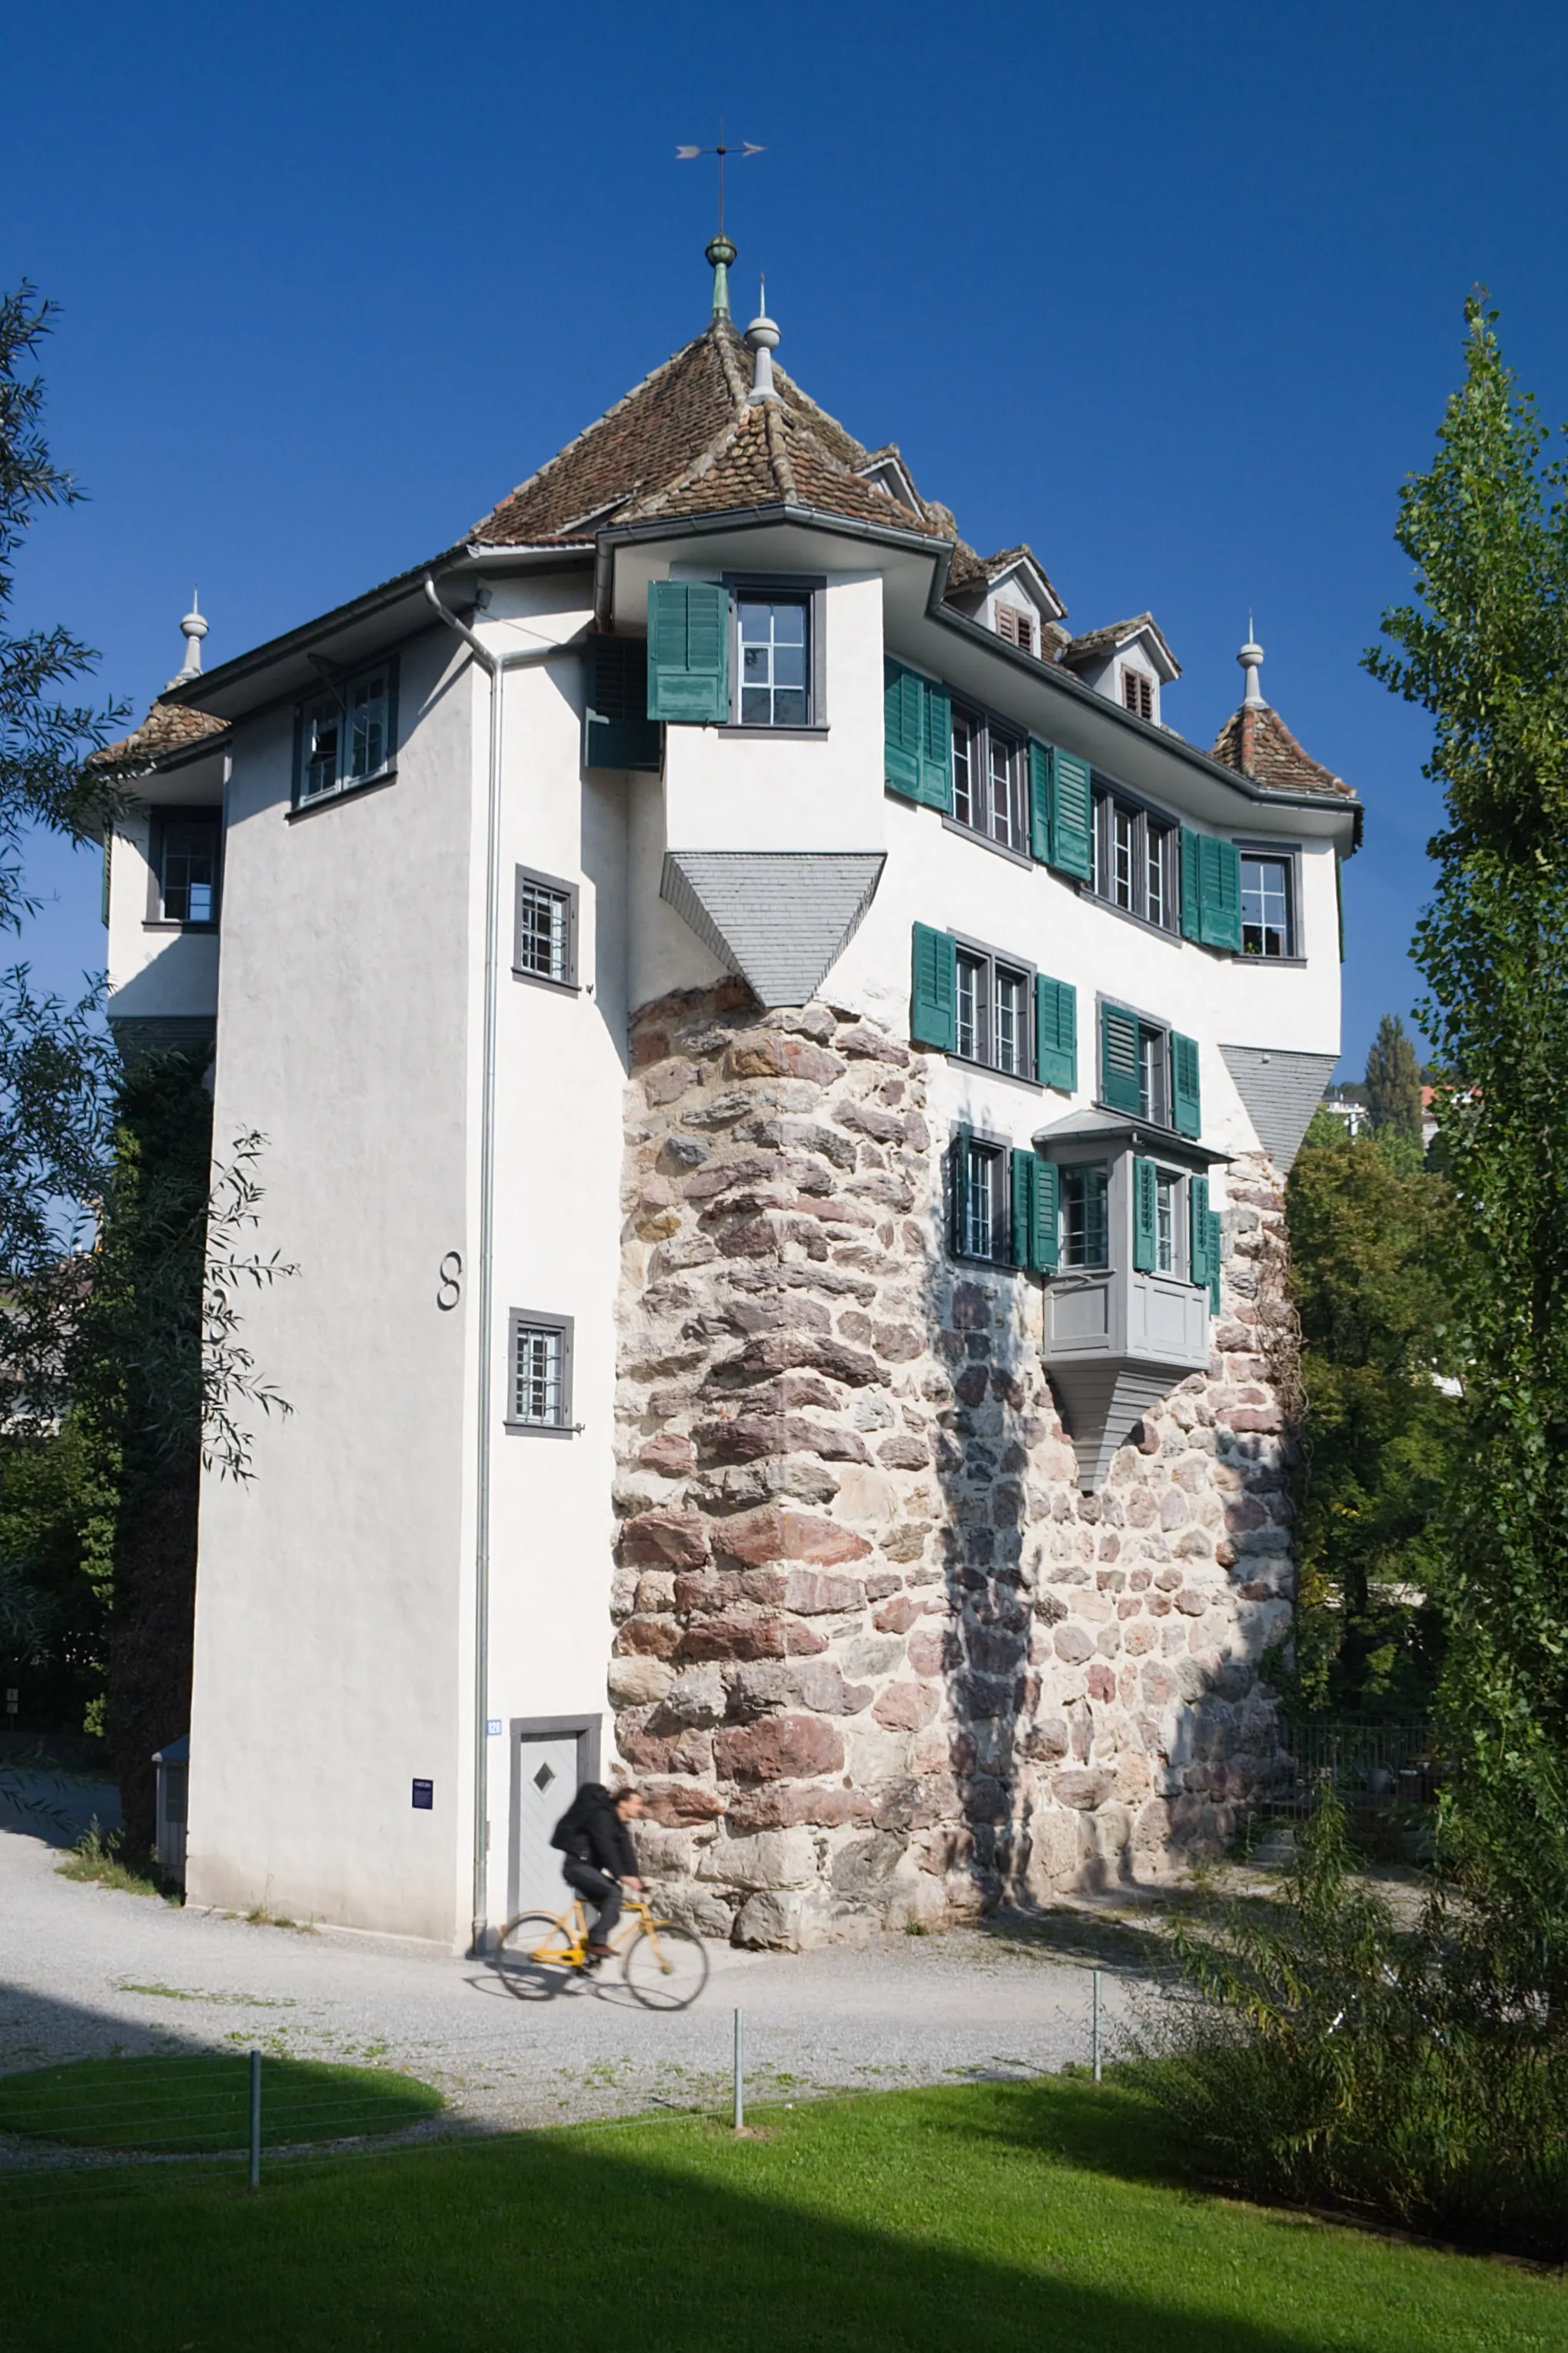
(547, 1777)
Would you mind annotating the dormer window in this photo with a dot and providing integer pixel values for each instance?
(1016, 628)
(1138, 691)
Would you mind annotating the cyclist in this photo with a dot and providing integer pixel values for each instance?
(594, 1834)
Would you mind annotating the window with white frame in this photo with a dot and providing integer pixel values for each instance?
(1136, 861)
(545, 947)
(980, 1199)
(1085, 1215)
(186, 865)
(988, 780)
(1267, 929)
(1167, 1222)
(346, 736)
(539, 1372)
(994, 1010)
(776, 661)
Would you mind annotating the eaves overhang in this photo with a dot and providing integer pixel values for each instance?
(1100, 717)
(1109, 1128)
(747, 519)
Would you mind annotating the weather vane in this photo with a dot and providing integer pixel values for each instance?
(745, 148)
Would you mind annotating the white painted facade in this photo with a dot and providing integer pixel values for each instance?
(339, 1593)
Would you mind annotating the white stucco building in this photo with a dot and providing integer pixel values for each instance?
(777, 1065)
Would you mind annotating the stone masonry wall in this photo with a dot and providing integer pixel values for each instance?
(876, 1659)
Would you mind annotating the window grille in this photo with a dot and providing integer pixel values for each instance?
(1138, 692)
(539, 1393)
(544, 923)
(1016, 628)
(994, 1013)
(1165, 1226)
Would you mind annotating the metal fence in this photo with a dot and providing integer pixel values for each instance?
(1373, 1768)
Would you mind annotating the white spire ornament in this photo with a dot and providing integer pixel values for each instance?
(196, 629)
(762, 340)
(1251, 660)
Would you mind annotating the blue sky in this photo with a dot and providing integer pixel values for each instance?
(1174, 294)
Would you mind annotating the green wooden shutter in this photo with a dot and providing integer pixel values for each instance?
(933, 998)
(1044, 1243)
(1072, 815)
(1056, 1033)
(1145, 1216)
(1213, 1262)
(1222, 894)
(689, 652)
(616, 730)
(1186, 1114)
(1198, 1231)
(936, 749)
(1211, 889)
(903, 716)
(918, 736)
(1022, 1170)
(1118, 1088)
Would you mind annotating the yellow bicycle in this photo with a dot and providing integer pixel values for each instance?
(665, 1966)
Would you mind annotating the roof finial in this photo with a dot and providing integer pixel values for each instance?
(1251, 660)
(720, 252)
(196, 629)
(762, 338)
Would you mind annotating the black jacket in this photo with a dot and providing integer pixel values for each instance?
(593, 1832)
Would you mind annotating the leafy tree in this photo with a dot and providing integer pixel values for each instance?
(42, 739)
(1485, 650)
(1394, 1081)
(1367, 1234)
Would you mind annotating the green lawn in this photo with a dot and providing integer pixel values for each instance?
(1016, 2218)
(178, 2105)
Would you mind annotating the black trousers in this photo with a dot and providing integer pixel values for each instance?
(594, 1888)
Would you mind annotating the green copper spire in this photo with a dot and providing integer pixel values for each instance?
(720, 253)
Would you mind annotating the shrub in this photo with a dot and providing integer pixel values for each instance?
(1323, 2051)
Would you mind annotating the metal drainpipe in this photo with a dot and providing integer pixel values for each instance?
(495, 666)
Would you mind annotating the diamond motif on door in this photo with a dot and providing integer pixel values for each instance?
(543, 1778)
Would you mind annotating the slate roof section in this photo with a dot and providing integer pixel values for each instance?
(168, 727)
(779, 918)
(1256, 740)
(1281, 1090)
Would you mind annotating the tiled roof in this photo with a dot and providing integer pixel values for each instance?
(1095, 644)
(1256, 740)
(687, 442)
(168, 727)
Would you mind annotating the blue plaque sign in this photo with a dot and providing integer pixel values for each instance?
(425, 1797)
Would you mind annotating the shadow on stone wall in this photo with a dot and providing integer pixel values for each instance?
(876, 1661)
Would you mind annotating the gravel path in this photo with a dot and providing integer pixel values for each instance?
(89, 1971)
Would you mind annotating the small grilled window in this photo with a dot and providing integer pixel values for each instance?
(546, 937)
(980, 1202)
(1138, 692)
(186, 863)
(1266, 927)
(539, 1372)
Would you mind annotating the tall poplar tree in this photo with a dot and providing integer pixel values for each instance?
(1485, 649)
(1394, 1081)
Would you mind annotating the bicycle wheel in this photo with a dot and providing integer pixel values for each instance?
(533, 1956)
(666, 1967)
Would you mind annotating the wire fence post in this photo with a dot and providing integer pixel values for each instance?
(739, 2070)
(256, 2120)
(1095, 2029)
